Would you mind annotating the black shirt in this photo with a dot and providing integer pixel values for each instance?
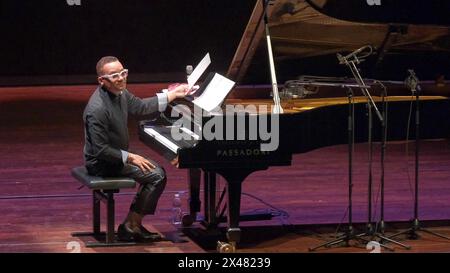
(106, 128)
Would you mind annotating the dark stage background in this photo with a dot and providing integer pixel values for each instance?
(58, 42)
(156, 39)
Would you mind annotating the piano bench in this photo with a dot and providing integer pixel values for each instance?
(103, 189)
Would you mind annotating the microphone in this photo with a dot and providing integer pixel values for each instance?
(344, 59)
(189, 70)
(412, 82)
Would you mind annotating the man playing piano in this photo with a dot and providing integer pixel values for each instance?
(106, 141)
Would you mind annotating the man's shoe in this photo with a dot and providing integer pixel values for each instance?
(126, 234)
(148, 235)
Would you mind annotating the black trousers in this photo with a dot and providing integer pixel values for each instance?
(151, 186)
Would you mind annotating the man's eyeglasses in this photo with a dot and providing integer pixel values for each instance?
(116, 76)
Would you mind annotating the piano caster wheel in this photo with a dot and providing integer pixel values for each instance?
(187, 220)
(224, 247)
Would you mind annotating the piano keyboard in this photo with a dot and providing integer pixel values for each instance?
(160, 138)
(164, 136)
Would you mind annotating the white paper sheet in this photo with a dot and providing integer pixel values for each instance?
(216, 91)
(198, 71)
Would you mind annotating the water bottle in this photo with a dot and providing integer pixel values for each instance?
(176, 210)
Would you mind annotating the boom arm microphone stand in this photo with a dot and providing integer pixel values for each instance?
(412, 83)
(351, 60)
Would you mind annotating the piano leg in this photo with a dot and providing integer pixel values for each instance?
(234, 180)
(210, 199)
(194, 197)
(234, 207)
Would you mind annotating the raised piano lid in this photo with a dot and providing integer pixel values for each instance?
(307, 34)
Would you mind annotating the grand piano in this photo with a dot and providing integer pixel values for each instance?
(306, 35)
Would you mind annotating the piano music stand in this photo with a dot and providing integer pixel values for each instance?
(412, 83)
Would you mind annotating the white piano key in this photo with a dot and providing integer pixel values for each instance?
(190, 133)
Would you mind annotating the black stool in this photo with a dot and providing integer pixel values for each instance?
(103, 189)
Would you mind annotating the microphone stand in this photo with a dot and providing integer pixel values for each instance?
(349, 234)
(277, 109)
(412, 83)
(381, 225)
(350, 61)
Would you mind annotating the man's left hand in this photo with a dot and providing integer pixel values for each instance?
(141, 162)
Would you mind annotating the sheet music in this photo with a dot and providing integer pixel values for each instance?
(198, 71)
(216, 91)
